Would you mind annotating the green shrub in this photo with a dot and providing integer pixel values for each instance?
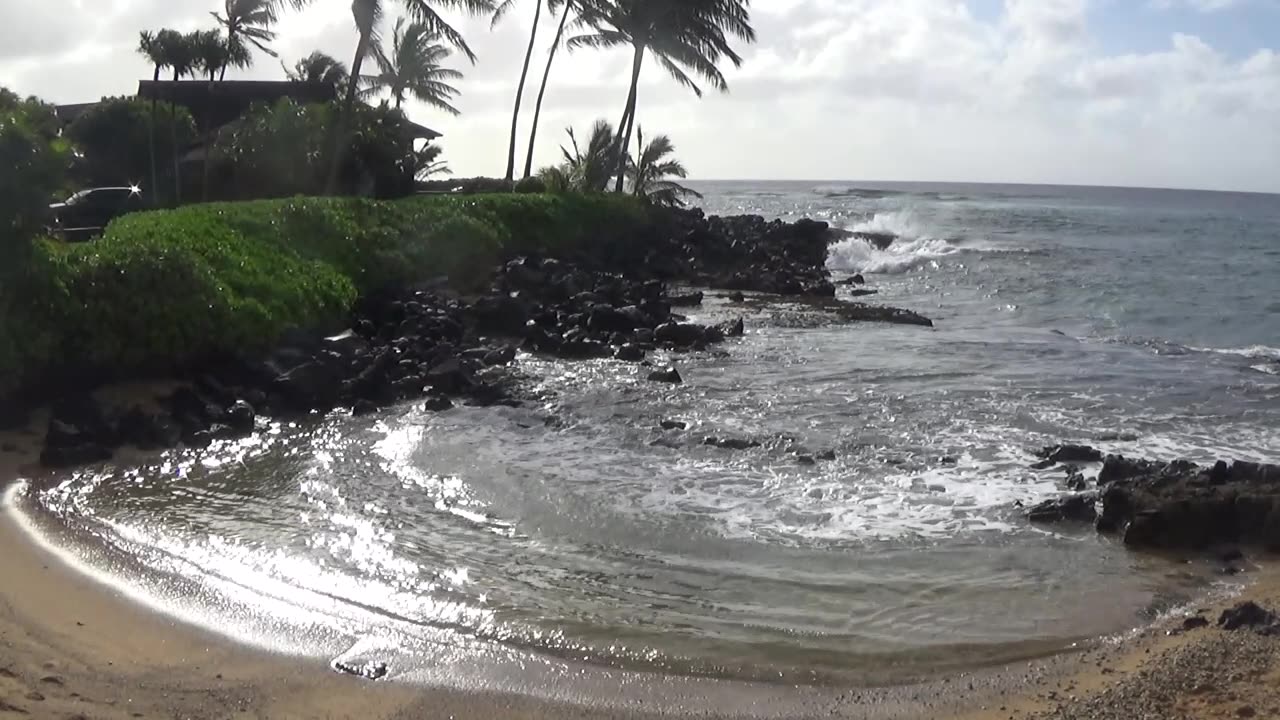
(163, 290)
(532, 185)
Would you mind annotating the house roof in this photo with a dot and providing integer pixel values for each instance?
(214, 104)
(67, 114)
(422, 132)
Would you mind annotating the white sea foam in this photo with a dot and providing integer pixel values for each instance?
(916, 244)
(1253, 352)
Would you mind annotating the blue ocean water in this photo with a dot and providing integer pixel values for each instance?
(576, 531)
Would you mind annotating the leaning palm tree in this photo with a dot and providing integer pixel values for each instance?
(524, 76)
(151, 46)
(412, 68)
(685, 36)
(552, 5)
(319, 68)
(367, 14)
(650, 171)
(248, 25)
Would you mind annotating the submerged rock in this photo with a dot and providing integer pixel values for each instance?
(369, 671)
(1076, 508)
(1070, 454)
(692, 299)
(731, 443)
(629, 353)
(241, 417)
(858, 312)
(437, 403)
(666, 375)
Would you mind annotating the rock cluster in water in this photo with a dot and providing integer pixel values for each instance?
(435, 346)
(745, 253)
(1174, 504)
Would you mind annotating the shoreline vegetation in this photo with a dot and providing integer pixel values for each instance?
(302, 305)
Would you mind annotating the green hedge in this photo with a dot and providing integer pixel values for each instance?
(162, 290)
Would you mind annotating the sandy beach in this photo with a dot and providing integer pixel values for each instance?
(72, 647)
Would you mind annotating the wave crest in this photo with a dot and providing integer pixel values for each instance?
(914, 245)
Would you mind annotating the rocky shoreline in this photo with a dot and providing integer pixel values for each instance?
(434, 345)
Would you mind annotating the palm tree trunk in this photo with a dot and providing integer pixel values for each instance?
(342, 127)
(173, 140)
(639, 182)
(629, 117)
(151, 132)
(208, 142)
(542, 92)
(524, 76)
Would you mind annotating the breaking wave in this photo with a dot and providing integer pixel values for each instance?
(914, 245)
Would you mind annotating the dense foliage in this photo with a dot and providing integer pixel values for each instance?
(274, 151)
(168, 289)
(34, 161)
(281, 150)
(113, 142)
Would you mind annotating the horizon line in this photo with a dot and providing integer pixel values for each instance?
(988, 183)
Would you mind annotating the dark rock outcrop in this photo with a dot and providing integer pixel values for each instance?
(1182, 505)
(1250, 615)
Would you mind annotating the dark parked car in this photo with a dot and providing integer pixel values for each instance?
(86, 213)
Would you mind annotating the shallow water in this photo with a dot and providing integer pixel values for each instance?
(1143, 322)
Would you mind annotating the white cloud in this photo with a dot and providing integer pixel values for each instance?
(849, 89)
(1204, 6)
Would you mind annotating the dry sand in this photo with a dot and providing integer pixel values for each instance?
(71, 647)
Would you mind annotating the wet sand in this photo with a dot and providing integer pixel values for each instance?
(72, 647)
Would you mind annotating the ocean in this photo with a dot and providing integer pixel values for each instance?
(574, 537)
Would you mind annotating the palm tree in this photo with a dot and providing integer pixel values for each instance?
(179, 55)
(413, 68)
(427, 162)
(367, 14)
(649, 172)
(209, 52)
(586, 170)
(319, 68)
(683, 35)
(248, 23)
(151, 47)
(552, 5)
(524, 76)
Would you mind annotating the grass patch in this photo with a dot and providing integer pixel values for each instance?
(165, 290)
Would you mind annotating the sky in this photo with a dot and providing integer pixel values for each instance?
(1155, 93)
